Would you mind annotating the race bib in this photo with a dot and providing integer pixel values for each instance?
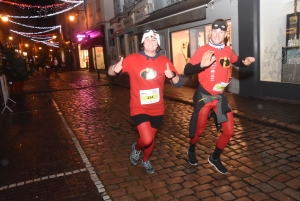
(149, 96)
(220, 86)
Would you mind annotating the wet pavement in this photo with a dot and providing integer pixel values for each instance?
(69, 138)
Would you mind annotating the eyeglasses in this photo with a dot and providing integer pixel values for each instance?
(147, 31)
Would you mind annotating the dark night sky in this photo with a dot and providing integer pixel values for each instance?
(16, 11)
(43, 21)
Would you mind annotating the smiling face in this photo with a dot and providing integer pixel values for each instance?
(150, 45)
(218, 31)
(217, 36)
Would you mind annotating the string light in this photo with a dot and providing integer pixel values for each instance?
(54, 44)
(35, 32)
(48, 15)
(40, 37)
(34, 6)
(34, 27)
(37, 37)
(33, 36)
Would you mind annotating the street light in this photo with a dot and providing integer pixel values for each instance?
(4, 18)
(72, 17)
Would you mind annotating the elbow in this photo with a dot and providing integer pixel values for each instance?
(111, 72)
(186, 69)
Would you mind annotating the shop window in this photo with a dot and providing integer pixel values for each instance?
(180, 49)
(83, 58)
(98, 57)
(290, 72)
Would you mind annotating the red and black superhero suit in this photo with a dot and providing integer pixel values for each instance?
(210, 93)
(147, 79)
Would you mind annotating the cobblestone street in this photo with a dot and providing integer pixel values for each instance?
(69, 138)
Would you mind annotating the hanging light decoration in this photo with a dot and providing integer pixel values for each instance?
(45, 11)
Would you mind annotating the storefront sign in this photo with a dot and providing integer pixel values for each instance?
(128, 21)
(139, 15)
(118, 27)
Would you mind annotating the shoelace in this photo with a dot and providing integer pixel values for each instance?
(147, 165)
(136, 155)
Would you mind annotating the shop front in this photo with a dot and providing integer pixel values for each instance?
(280, 49)
(184, 27)
(91, 50)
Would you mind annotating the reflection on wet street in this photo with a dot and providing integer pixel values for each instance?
(54, 120)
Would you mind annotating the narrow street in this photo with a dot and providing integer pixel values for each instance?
(69, 138)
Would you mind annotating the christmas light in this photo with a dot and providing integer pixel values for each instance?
(34, 6)
(36, 32)
(58, 26)
(45, 11)
(46, 40)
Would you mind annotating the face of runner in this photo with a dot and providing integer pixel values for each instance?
(217, 36)
(150, 45)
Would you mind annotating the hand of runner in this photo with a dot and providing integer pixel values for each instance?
(168, 73)
(118, 67)
(207, 59)
(248, 60)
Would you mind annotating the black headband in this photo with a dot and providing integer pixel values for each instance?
(219, 25)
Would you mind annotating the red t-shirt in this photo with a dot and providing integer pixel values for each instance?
(147, 79)
(214, 78)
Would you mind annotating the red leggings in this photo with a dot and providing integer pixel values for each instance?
(146, 140)
(227, 127)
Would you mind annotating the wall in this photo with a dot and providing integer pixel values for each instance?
(159, 4)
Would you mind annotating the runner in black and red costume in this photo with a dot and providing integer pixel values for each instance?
(147, 71)
(212, 63)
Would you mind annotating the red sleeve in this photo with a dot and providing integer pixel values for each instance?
(197, 57)
(233, 57)
(125, 64)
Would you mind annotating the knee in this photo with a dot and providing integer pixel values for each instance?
(228, 133)
(146, 142)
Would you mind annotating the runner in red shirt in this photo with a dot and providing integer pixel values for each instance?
(212, 63)
(147, 71)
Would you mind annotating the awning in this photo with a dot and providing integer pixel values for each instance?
(89, 43)
(181, 13)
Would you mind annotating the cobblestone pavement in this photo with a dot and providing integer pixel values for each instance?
(66, 133)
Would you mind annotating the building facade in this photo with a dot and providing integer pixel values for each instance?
(255, 30)
(182, 24)
(85, 39)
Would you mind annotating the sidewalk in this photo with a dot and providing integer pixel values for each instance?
(277, 113)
